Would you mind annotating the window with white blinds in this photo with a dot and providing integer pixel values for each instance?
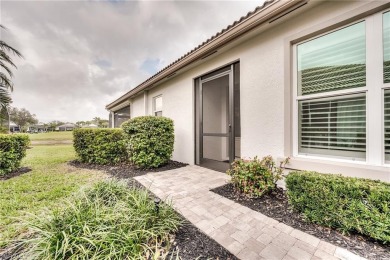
(386, 47)
(334, 61)
(387, 124)
(333, 126)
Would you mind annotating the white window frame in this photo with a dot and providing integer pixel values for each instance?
(374, 92)
(155, 111)
(385, 86)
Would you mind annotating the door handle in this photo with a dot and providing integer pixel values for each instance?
(230, 128)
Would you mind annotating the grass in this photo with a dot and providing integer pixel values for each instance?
(108, 221)
(52, 136)
(50, 181)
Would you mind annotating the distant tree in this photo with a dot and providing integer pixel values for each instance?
(96, 120)
(3, 116)
(100, 122)
(80, 123)
(6, 62)
(103, 123)
(22, 117)
(53, 124)
(3, 121)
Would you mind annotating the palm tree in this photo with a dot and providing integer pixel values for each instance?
(6, 84)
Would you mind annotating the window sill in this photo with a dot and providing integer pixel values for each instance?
(353, 169)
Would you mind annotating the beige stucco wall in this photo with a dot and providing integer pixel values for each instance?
(262, 65)
(137, 106)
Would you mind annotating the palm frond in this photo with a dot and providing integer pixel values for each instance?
(4, 46)
(6, 82)
(5, 57)
(5, 98)
(4, 66)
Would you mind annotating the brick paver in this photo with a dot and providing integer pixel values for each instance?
(246, 233)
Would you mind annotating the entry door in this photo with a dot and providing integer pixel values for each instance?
(216, 133)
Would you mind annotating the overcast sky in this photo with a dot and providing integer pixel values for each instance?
(81, 55)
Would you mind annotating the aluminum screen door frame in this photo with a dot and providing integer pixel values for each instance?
(228, 71)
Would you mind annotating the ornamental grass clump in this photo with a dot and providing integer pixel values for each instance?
(344, 203)
(12, 151)
(256, 177)
(108, 221)
(150, 140)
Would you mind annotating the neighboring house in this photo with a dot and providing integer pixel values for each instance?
(90, 126)
(37, 129)
(308, 80)
(66, 127)
(14, 128)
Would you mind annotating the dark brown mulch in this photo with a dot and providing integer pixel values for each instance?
(191, 243)
(16, 173)
(275, 205)
(126, 170)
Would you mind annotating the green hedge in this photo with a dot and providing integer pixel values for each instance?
(12, 150)
(100, 146)
(345, 203)
(150, 140)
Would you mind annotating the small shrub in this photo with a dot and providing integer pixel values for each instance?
(3, 130)
(150, 140)
(109, 221)
(12, 150)
(100, 146)
(255, 177)
(345, 203)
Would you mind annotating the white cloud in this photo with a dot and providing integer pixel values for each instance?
(81, 55)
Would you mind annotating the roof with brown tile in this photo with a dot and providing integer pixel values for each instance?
(212, 38)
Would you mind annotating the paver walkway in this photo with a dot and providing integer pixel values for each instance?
(246, 233)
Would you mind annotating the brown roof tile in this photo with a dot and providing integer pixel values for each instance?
(223, 31)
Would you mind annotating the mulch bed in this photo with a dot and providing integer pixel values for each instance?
(16, 173)
(189, 241)
(275, 205)
(126, 170)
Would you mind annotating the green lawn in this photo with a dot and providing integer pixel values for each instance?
(52, 136)
(50, 181)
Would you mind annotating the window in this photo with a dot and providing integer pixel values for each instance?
(387, 125)
(386, 79)
(157, 106)
(386, 47)
(342, 93)
(332, 62)
(332, 120)
(333, 126)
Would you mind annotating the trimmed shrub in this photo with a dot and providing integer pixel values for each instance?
(109, 221)
(12, 150)
(150, 140)
(100, 146)
(255, 177)
(345, 203)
